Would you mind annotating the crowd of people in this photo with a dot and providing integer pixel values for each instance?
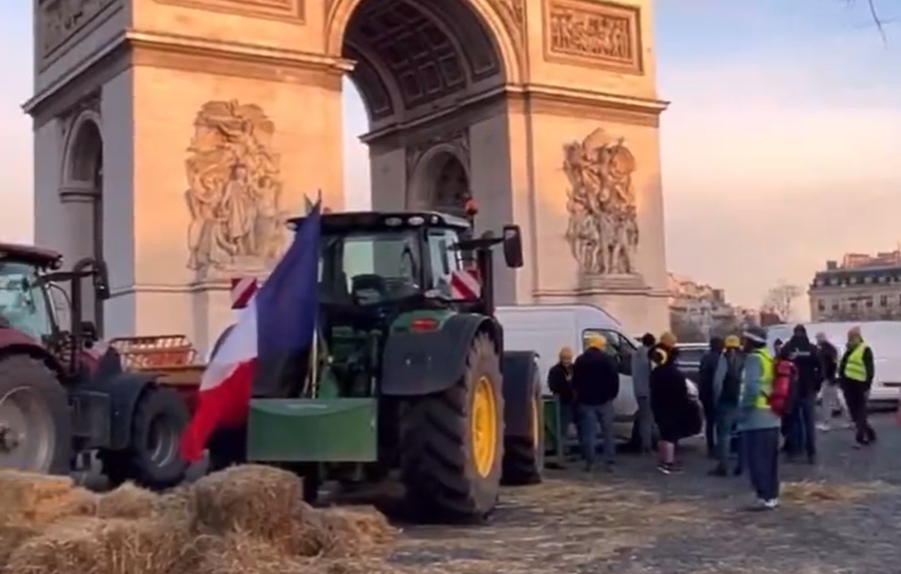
(756, 403)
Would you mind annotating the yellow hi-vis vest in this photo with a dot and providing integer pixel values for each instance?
(766, 379)
(855, 369)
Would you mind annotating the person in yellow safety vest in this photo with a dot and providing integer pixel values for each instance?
(758, 424)
(855, 372)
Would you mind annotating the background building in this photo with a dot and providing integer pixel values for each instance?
(698, 310)
(861, 287)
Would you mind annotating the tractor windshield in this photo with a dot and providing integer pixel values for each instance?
(23, 303)
(383, 265)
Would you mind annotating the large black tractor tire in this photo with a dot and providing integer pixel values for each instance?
(152, 459)
(452, 443)
(35, 422)
(524, 455)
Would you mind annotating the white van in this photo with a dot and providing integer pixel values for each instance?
(545, 329)
(883, 337)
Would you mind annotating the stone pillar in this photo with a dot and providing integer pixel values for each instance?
(78, 200)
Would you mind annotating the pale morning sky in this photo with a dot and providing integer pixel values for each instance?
(782, 146)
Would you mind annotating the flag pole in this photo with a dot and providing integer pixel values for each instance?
(314, 353)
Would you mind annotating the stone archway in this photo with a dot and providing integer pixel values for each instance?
(81, 195)
(415, 62)
(219, 130)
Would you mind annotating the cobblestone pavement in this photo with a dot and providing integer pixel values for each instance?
(842, 516)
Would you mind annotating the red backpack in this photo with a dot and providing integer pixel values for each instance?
(784, 375)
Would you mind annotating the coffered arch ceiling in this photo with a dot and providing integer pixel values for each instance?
(412, 53)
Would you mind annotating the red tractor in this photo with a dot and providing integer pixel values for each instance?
(62, 402)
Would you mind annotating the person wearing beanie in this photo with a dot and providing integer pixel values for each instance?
(559, 381)
(667, 341)
(727, 391)
(596, 386)
(641, 383)
(669, 400)
(758, 424)
(856, 371)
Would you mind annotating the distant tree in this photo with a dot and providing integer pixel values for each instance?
(728, 326)
(780, 300)
(874, 14)
(769, 318)
(685, 331)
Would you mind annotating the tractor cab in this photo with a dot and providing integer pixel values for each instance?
(27, 275)
(405, 259)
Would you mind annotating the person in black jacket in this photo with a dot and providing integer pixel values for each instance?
(856, 371)
(706, 374)
(833, 405)
(802, 418)
(596, 385)
(669, 403)
(560, 382)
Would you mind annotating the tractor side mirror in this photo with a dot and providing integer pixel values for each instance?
(101, 281)
(513, 246)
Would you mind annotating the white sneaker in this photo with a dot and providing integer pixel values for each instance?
(772, 504)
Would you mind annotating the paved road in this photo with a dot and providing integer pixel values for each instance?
(839, 517)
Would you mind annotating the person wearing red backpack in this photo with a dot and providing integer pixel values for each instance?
(759, 423)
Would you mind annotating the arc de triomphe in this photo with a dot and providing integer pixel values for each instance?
(172, 137)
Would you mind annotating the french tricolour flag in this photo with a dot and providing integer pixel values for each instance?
(278, 322)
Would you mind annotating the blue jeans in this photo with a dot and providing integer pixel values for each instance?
(726, 417)
(802, 432)
(761, 450)
(590, 417)
(568, 416)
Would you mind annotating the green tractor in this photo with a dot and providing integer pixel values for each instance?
(408, 379)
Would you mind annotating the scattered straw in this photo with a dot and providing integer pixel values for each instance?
(346, 532)
(814, 493)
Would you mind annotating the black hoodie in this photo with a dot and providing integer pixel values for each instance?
(806, 357)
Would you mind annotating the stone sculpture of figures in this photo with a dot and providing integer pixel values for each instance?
(233, 189)
(603, 219)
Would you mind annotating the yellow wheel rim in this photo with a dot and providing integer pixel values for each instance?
(536, 423)
(484, 426)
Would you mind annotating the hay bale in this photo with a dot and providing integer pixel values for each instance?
(105, 546)
(30, 499)
(347, 532)
(259, 501)
(127, 501)
(238, 553)
(358, 566)
(13, 536)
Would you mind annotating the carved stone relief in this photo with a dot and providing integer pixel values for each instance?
(593, 34)
(603, 219)
(59, 20)
(234, 190)
(292, 10)
(513, 14)
(448, 186)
